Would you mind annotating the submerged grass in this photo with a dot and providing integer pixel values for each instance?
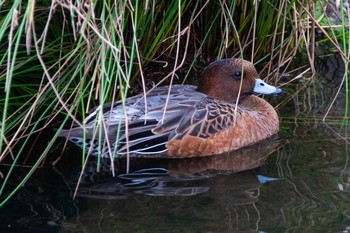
(61, 59)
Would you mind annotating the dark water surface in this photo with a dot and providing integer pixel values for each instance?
(296, 182)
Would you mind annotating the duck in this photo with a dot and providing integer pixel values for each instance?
(223, 113)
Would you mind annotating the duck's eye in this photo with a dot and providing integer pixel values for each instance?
(238, 75)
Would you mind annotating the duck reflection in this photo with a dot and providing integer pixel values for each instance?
(154, 188)
(180, 177)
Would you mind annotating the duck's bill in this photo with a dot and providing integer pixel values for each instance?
(263, 88)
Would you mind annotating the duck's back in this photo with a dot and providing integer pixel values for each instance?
(179, 123)
(151, 122)
(183, 112)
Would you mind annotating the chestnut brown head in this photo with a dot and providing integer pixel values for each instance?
(233, 78)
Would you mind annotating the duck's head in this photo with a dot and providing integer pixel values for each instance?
(222, 79)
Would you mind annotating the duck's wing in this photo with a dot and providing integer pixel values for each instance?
(202, 118)
(135, 130)
(198, 116)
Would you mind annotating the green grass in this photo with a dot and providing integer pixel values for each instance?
(59, 62)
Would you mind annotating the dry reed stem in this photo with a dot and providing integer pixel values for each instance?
(256, 7)
(224, 8)
(334, 98)
(175, 62)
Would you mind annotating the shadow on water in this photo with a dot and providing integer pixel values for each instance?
(299, 183)
(173, 177)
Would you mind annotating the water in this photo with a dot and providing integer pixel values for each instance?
(295, 182)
